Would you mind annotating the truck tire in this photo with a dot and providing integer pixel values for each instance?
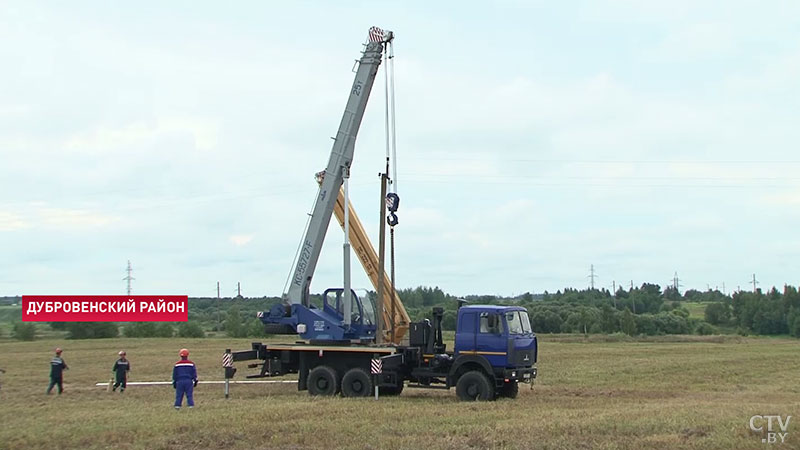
(474, 385)
(509, 390)
(356, 383)
(392, 390)
(322, 380)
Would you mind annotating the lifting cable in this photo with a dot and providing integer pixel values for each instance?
(391, 153)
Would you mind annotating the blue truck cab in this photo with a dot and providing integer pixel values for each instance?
(499, 337)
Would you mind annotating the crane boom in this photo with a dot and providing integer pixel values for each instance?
(369, 260)
(339, 162)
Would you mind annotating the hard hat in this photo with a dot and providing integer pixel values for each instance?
(184, 352)
(58, 350)
(121, 352)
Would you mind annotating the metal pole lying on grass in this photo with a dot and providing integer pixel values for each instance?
(169, 383)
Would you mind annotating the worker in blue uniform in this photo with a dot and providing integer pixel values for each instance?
(184, 379)
(57, 368)
(121, 368)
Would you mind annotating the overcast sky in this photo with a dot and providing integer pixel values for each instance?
(534, 139)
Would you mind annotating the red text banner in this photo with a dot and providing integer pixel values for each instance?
(105, 308)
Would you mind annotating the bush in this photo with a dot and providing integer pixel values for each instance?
(190, 330)
(164, 329)
(706, 329)
(255, 328)
(140, 329)
(91, 330)
(671, 323)
(24, 331)
(646, 325)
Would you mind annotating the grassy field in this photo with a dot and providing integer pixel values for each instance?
(667, 392)
(697, 310)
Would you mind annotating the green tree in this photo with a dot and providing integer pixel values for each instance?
(233, 324)
(718, 313)
(24, 331)
(255, 328)
(628, 323)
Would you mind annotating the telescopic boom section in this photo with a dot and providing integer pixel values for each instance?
(340, 160)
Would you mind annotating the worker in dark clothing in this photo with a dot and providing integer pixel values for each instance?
(121, 369)
(57, 368)
(184, 379)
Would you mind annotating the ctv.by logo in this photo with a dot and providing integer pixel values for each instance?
(757, 425)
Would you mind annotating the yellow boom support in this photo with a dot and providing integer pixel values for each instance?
(361, 245)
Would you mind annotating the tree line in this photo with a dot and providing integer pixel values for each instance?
(643, 310)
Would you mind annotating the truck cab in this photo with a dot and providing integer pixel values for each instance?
(499, 337)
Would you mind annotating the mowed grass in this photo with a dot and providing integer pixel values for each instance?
(699, 393)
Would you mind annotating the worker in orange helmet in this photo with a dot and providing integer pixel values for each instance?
(184, 379)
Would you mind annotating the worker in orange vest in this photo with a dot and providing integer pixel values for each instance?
(184, 379)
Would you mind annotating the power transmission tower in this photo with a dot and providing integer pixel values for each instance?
(592, 275)
(217, 290)
(129, 278)
(755, 282)
(676, 282)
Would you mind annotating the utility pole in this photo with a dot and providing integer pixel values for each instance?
(238, 289)
(217, 290)
(755, 282)
(380, 326)
(592, 276)
(614, 292)
(129, 278)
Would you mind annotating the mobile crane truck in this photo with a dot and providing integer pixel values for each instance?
(495, 348)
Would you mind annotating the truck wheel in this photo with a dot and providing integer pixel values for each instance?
(474, 385)
(322, 380)
(356, 383)
(509, 390)
(390, 391)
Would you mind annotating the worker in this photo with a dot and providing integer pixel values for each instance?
(184, 379)
(2, 371)
(121, 369)
(57, 368)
